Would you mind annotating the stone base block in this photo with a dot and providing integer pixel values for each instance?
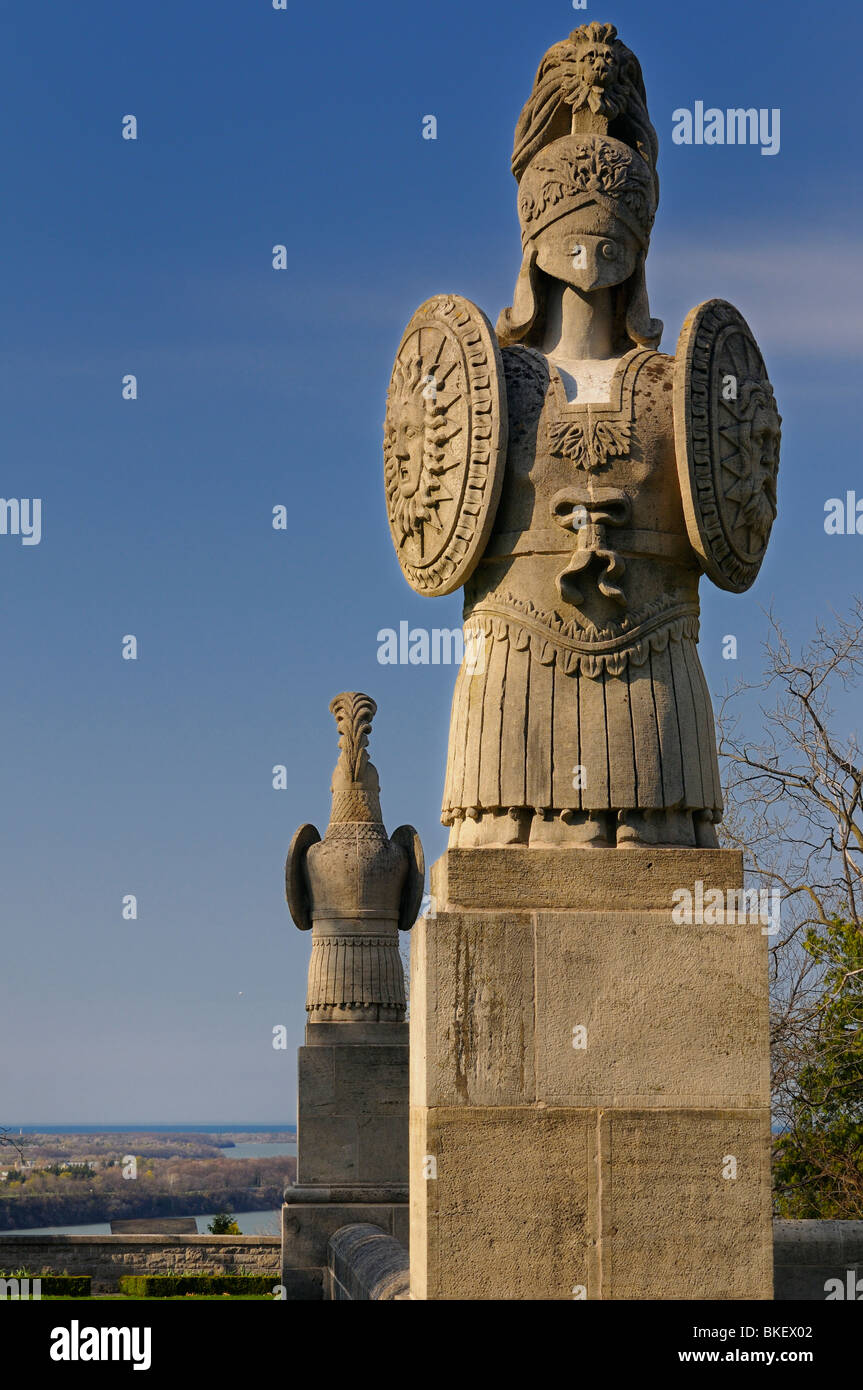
(589, 1080)
(303, 1285)
(307, 1227)
(501, 1203)
(559, 1204)
(607, 1007)
(563, 878)
(352, 1110)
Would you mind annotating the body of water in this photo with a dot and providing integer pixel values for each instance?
(236, 1128)
(253, 1150)
(251, 1223)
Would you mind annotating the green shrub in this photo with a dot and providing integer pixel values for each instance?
(65, 1285)
(175, 1285)
(55, 1285)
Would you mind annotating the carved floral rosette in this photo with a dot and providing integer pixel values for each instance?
(727, 434)
(445, 438)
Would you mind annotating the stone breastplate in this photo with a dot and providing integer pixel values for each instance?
(589, 550)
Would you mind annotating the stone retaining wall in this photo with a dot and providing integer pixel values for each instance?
(105, 1258)
(806, 1254)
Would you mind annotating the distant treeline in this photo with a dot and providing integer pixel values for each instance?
(54, 1195)
(101, 1146)
(85, 1208)
(156, 1174)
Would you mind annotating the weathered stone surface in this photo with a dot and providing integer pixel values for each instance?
(373, 1034)
(446, 416)
(674, 1015)
(349, 1193)
(509, 879)
(306, 1227)
(361, 1080)
(365, 1264)
(673, 1223)
(382, 1148)
(155, 1226)
(303, 1285)
(106, 1258)
(667, 1085)
(806, 1254)
(352, 1114)
(327, 1150)
(809, 1257)
(508, 1214)
(584, 1063)
(561, 1203)
(473, 1010)
(354, 1149)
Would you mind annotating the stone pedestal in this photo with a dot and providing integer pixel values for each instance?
(355, 889)
(589, 1081)
(352, 1132)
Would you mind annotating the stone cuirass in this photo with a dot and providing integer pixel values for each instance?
(585, 691)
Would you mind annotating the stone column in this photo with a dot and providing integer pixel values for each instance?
(354, 890)
(590, 1103)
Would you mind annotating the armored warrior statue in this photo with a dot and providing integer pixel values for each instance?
(355, 888)
(577, 482)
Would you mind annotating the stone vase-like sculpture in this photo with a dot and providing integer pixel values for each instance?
(355, 889)
(577, 483)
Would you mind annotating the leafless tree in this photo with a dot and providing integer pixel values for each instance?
(7, 1137)
(794, 806)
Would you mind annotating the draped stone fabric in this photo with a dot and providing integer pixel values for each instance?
(644, 738)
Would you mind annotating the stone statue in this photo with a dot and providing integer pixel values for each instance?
(577, 482)
(356, 888)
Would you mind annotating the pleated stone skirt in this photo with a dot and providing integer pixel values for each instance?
(355, 975)
(525, 733)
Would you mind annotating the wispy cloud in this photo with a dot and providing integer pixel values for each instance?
(802, 298)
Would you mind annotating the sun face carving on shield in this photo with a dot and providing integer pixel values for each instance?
(444, 443)
(421, 445)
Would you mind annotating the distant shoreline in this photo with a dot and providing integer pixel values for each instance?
(234, 1128)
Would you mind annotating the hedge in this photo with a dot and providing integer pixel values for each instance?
(175, 1285)
(56, 1285)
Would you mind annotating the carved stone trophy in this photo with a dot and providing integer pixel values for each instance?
(576, 482)
(355, 889)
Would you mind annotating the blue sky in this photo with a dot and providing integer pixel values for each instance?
(259, 388)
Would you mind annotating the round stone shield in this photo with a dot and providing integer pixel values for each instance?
(727, 433)
(445, 437)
